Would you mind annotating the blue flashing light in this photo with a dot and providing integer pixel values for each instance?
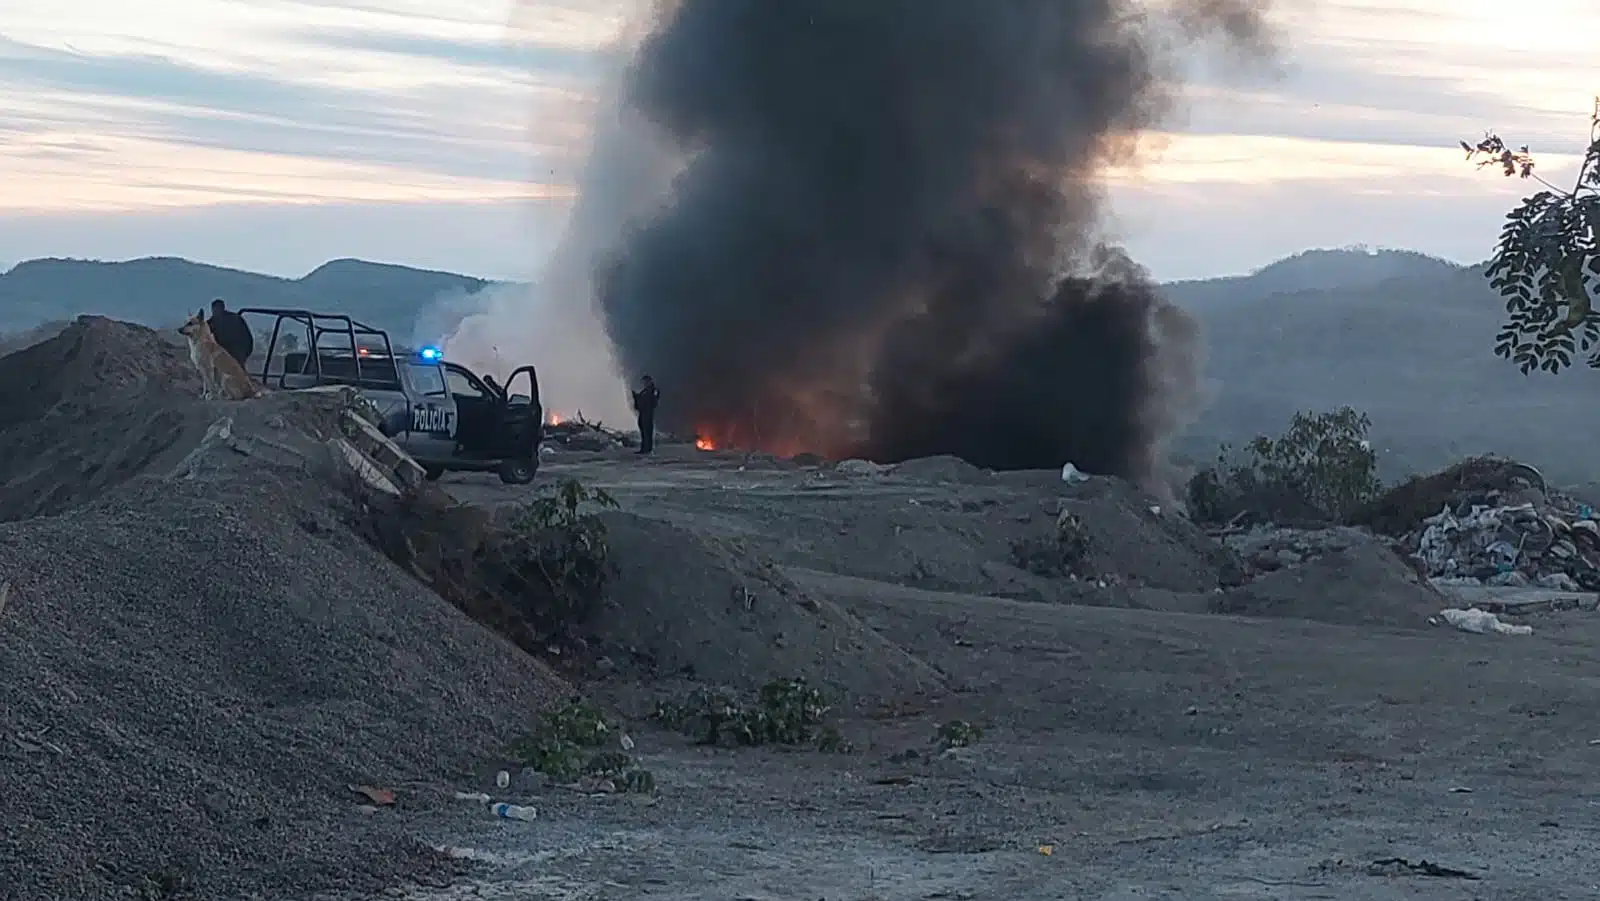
(432, 353)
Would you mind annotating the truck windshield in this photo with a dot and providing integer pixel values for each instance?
(427, 379)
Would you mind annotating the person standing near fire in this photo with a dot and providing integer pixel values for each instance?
(644, 404)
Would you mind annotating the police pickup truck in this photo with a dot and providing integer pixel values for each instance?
(441, 413)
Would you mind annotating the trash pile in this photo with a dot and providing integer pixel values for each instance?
(1517, 546)
(1490, 521)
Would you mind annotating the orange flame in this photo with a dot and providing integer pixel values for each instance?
(553, 419)
(705, 444)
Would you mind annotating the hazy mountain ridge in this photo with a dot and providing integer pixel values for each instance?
(1409, 340)
(1402, 335)
(160, 291)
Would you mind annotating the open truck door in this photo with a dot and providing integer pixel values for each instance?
(521, 426)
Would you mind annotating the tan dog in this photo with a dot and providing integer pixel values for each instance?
(220, 373)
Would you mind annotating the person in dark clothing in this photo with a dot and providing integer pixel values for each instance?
(644, 403)
(231, 331)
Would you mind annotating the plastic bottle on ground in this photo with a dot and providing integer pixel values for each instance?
(513, 811)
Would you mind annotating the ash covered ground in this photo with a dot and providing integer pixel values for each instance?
(200, 655)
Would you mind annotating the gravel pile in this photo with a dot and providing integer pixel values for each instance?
(89, 409)
(194, 669)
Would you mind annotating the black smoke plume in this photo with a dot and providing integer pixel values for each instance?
(882, 240)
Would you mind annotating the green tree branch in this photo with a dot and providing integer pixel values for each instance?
(1547, 262)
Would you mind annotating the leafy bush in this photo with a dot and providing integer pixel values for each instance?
(570, 745)
(559, 539)
(787, 712)
(1321, 468)
(532, 578)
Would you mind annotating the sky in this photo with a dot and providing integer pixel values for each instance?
(273, 135)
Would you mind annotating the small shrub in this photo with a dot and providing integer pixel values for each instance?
(1321, 468)
(532, 578)
(163, 885)
(1061, 553)
(958, 734)
(569, 545)
(786, 712)
(572, 743)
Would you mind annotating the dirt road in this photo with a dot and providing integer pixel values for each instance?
(1153, 754)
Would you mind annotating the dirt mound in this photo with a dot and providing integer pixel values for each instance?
(944, 468)
(1364, 584)
(92, 362)
(89, 409)
(695, 608)
(1131, 535)
(11, 342)
(953, 536)
(195, 667)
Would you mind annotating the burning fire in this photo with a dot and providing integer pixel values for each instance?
(705, 444)
(552, 419)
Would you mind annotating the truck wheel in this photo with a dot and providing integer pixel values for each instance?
(432, 473)
(519, 472)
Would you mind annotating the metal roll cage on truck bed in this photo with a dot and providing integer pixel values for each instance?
(443, 414)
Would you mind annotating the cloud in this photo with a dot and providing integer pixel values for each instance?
(280, 102)
(1398, 92)
(429, 128)
(512, 60)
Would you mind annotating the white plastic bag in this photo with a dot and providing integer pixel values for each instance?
(1480, 622)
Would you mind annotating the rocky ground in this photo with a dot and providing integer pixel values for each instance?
(1155, 750)
(199, 658)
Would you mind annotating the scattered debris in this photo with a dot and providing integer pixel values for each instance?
(475, 797)
(857, 467)
(382, 797)
(578, 434)
(1399, 866)
(1268, 548)
(1481, 622)
(514, 811)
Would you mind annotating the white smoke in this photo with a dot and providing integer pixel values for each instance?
(553, 323)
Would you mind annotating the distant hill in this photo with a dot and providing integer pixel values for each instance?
(1406, 338)
(1401, 335)
(160, 291)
